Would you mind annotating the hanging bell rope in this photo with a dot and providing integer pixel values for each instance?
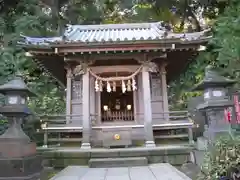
(108, 87)
(96, 85)
(100, 86)
(129, 85)
(123, 87)
(134, 86)
(114, 86)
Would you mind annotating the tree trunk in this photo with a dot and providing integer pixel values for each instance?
(184, 15)
(55, 13)
(190, 13)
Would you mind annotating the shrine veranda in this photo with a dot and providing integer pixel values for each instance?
(116, 78)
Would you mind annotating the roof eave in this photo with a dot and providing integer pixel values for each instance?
(91, 44)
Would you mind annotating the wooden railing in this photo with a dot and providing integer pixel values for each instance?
(54, 124)
(176, 115)
(57, 124)
(138, 118)
(110, 116)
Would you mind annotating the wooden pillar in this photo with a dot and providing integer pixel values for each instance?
(98, 107)
(92, 101)
(86, 111)
(164, 91)
(147, 108)
(135, 106)
(45, 138)
(69, 95)
(139, 99)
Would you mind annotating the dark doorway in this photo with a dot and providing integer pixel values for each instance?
(117, 106)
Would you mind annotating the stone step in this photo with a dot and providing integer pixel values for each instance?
(117, 162)
(191, 170)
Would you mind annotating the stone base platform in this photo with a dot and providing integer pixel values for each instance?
(62, 157)
(151, 172)
(117, 162)
(24, 168)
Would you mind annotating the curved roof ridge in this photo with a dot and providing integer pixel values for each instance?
(115, 26)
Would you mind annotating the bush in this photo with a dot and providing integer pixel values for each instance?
(222, 161)
(3, 125)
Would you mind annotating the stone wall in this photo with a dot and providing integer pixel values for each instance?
(75, 156)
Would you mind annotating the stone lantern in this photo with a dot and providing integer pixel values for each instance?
(18, 157)
(216, 100)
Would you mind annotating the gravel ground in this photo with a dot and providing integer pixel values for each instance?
(48, 173)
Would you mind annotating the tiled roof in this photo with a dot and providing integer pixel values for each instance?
(39, 41)
(115, 33)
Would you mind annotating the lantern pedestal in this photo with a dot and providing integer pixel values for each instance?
(21, 168)
(217, 125)
(18, 156)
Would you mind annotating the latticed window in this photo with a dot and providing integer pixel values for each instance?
(155, 86)
(77, 90)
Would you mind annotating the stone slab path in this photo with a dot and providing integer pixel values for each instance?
(162, 171)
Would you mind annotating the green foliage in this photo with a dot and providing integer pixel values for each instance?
(222, 159)
(223, 53)
(226, 40)
(3, 125)
(81, 12)
(28, 17)
(180, 90)
(34, 18)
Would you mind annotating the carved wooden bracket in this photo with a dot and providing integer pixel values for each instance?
(69, 73)
(82, 67)
(152, 67)
(163, 67)
(148, 65)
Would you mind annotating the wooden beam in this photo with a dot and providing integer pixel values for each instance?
(147, 108)
(117, 68)
(164, 90)
(69, 77)
(86, 111)
(114, 56)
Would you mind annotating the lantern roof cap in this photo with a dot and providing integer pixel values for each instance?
(211, 104)
(16, 84)
(213, 79)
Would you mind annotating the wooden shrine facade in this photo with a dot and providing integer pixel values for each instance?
(116, 75)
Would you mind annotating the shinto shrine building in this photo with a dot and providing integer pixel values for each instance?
(116, 78)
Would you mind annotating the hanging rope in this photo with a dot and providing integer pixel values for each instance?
(119, 78)
(131, 83)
